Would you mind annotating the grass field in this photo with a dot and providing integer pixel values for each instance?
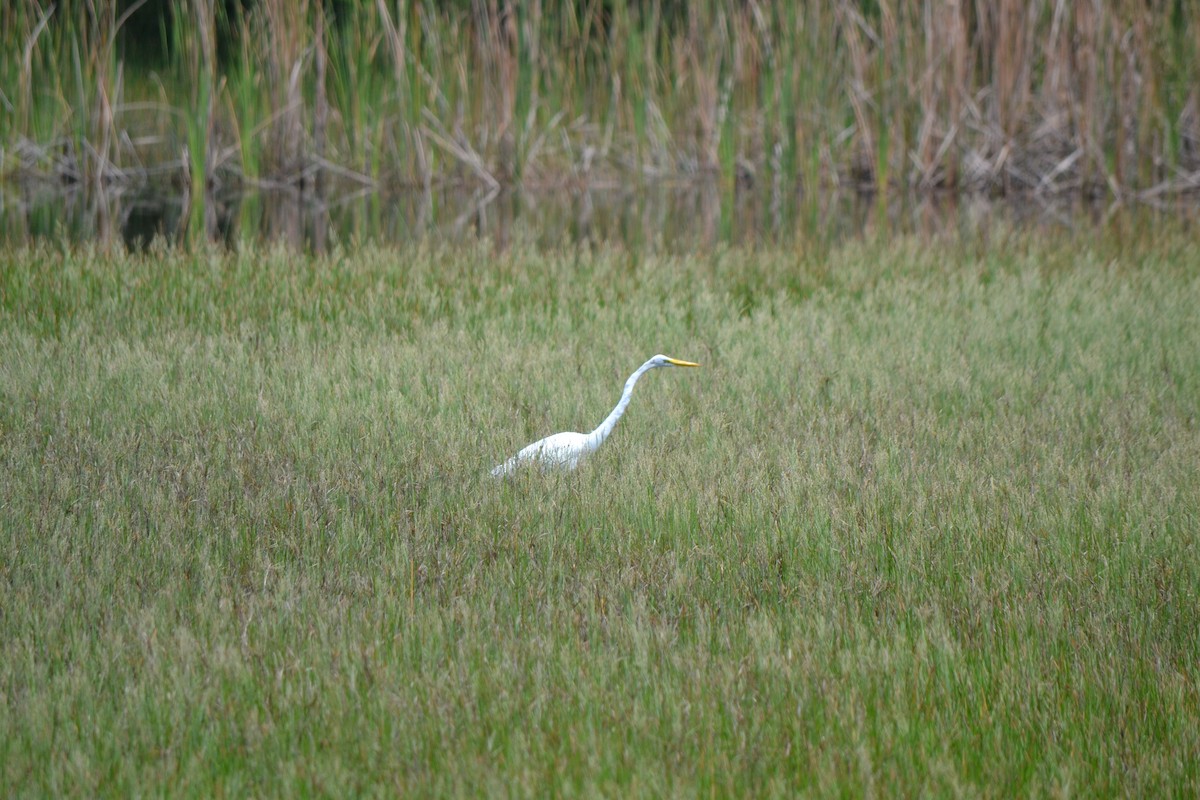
(924, 522)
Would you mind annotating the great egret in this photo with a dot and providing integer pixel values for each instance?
(565, 449)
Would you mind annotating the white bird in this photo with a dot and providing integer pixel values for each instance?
(565, 449)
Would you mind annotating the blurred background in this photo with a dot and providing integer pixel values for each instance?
(652, 123)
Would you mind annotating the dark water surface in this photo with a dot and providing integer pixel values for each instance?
(672, 217)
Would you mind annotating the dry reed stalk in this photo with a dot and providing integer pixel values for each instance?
(703, 65)
(320, 101)
(1122, 70)
(285, 37)
(497, 39)
(459, 148)
(745, 95)
(1190, 118)
(852, 26)
(1082, 99)
(1192, 9)
(944, 82)
(1149, 101)
(1040, 94)
(773, 129)
(959, 84)
(932, 85)
(891, 108)
(98, 33)
(1011, 72)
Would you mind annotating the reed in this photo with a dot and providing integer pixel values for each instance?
(993, 95)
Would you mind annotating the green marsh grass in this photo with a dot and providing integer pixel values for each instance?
(924, 522)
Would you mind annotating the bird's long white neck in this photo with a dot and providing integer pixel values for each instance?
(597, 437)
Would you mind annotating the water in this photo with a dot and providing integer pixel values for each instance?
(677, 217)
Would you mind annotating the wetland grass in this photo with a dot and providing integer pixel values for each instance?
(924, 523)
(997, 95)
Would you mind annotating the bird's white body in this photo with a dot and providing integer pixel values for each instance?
(564, 450)
(560, 450)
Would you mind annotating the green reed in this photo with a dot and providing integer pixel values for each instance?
(1001, 95)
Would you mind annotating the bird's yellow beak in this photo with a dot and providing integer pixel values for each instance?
(679, 363)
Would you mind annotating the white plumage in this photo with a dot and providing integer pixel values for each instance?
(564, 450)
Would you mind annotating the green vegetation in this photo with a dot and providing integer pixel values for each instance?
(995, 95)
(924, 522)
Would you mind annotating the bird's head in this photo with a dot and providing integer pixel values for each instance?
(666, 361)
